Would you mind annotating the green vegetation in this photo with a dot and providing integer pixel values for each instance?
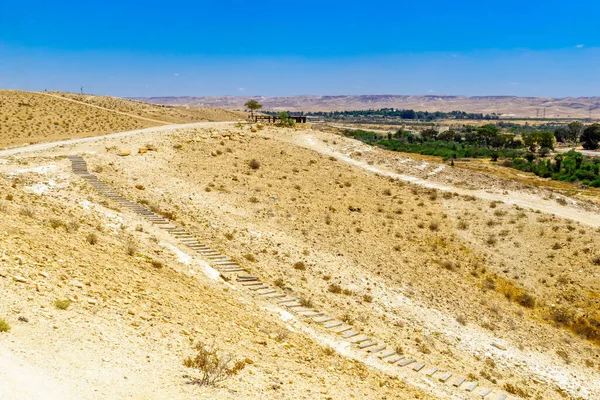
(4, 326)
(286, 120)
(528, 154)
(567, 167)
(403, 114)
(252, 105)
(62, 304)
(484, 142)
(591, 137)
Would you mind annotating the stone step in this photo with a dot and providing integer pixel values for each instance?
(418, 366)
(470, 386)
(268, 291)
(484, 392)
(344, 329)
(275, 296)
(406, 362)
(288, 300)
(233, 270)
(359, 339)
(395, 359)
(377, 349)
(366, 343)
(333, 324)
(259, 287)
(386, 354)
(444, 376)
(292, 305)
(252, 284)
(431, 371)
(311, 314)
(501, 396)
(458, 381)
(350, 334)
(322, 320)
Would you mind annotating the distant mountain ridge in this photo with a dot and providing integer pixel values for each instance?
(567, 107)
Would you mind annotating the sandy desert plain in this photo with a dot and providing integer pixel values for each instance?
(493, 280)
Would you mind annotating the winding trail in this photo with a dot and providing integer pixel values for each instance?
(155, 129)
(104, 108)
(520, 199)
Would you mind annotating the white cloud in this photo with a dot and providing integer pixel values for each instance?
(176, 74)
(580, 46)
(241, 89)
(514, 83)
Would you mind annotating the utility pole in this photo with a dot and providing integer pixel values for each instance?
(544, 112)
(81, 89)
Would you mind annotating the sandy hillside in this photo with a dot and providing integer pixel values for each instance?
(139, 300)
(28, 117)
(503, 293)
(167, 113)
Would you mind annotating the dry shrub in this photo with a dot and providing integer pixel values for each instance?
(334, 288)
(212, 365)
(526, 300)
(4, 326)
(131, 249)
(306, 302)
(27, 212)
(368, 298)
(55, 223)
(434, 226)
(72, 226)
(62, 304)
(254, 164)
(156, 264)
(347, 318)
(300, 266)
(250, 257)
(462, 225)
(279, 282)
(328, 350)
(516, 390)
(92, 238)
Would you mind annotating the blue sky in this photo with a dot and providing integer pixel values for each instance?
(151, 48)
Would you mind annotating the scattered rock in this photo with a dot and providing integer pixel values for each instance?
(92, 301)
(23, 319)
(3, 274)
(20, 278)
(124, 152)
(498, 346)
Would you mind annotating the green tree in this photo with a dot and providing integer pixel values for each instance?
(487, 134)
(575, 129)
(285, 119)
(252, 105)
(545, 139)
(562, 134)
(429, 133)
(591, 137)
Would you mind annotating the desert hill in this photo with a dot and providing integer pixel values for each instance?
(325, 268)
(29, 117)
(567, 107)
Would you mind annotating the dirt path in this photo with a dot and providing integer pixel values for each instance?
(21, 381)
(105, 109)
(159, 129)
(517, 198)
